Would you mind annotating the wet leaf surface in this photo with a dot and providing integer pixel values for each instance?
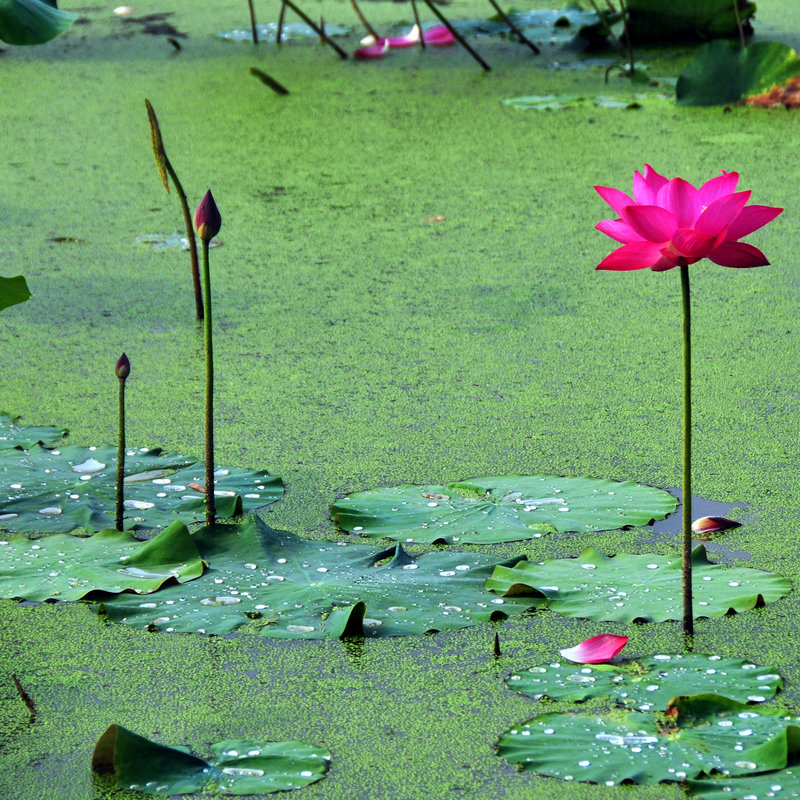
(272, 583)
(237, 767)
(23, 437)
(708, 734)
(500, 509)
(650, 683)
(66, 567)
(627, 587)
(61, 490)
(32, 21)
(782, 784)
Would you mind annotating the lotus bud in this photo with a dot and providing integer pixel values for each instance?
(714, 524)
(123, 368)
(207, 219)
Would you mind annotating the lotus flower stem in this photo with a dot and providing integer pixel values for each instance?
(370, 30)
(165, 167)
(253, 26)
(281, 16)
(322, 35)
(520, 35)
(456, 35)
(418, 24)
(211, 509)
(686, 541)
(739, 23)
(122, 370)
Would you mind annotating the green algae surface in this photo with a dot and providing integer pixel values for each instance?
(404, 291)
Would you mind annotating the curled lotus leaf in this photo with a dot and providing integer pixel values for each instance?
(61, 490)
(237, 766)
(500, 509)
(627, 587)
(648, 684)
(64, 567)
(703, 735)
(32, 21)
(274, 584)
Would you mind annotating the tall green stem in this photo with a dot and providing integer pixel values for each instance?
(121, 457)
(686, 545)
(211, 510)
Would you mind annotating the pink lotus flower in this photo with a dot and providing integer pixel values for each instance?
(670, 223)
(596, 650)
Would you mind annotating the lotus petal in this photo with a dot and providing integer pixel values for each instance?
(596, 650)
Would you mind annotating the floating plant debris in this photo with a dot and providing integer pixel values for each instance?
(627, 587)
(274, 584)
(648, 684)
(555, 102)
(61, 490)
(702, 735)
(500, 509)
(291, 31)
(170, 241)
(237, 767)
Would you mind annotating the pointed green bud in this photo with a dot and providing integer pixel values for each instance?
(207, 219)
(123, 368)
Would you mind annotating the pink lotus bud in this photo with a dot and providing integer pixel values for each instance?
(713, 524)
(123, 368)
(207, 219)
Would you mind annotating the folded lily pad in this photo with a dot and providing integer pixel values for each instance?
(704, 735)
(32, 21)
(23, 437)
(274, 584)
(721, 72)
(782, 784)
(57, 491)
(650, 683)
(627, 587)
(66, 567)
(500, 509)
(237, 767)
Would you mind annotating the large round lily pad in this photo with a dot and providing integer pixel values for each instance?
(783, 784)
(274, 584)
(627, 587)
(60, 490)
(707, 734)
(500, 509)
(14, 435)
(650, 683)
(237, 767)
(64, 567)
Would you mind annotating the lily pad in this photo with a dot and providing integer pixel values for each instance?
(655, 20)
(32, 21)
(500, 509)
(650, 683)
(722, 72)
(782, 784)
(57, 491)
(627, 587)
(12, 290)
(707, 734)
(554, 102)
(66, 567)
(553, 26)
(237, 767)
(291, 31)
(274, 584)
(23, 437)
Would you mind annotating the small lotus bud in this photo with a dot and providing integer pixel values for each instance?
(713, 524)
(123, 368)
(207, 219)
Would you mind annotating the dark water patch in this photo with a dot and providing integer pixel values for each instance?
(669, 529)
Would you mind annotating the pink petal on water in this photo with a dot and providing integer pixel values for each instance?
(714, 524)
(438, 36)
(751, 219)
(410, 39)
(636, 255)
(737, 254)
(596, 650)
(377, 50)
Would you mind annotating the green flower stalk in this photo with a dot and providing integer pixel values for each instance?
(207, 222)
(122, 370)
(165, 168)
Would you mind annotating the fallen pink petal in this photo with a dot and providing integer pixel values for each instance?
(377, 50)
(439, 36)
(713, 524)
(596, 650)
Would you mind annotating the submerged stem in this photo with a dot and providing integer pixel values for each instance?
(253, 26)
(211, 510)
(686, 542)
